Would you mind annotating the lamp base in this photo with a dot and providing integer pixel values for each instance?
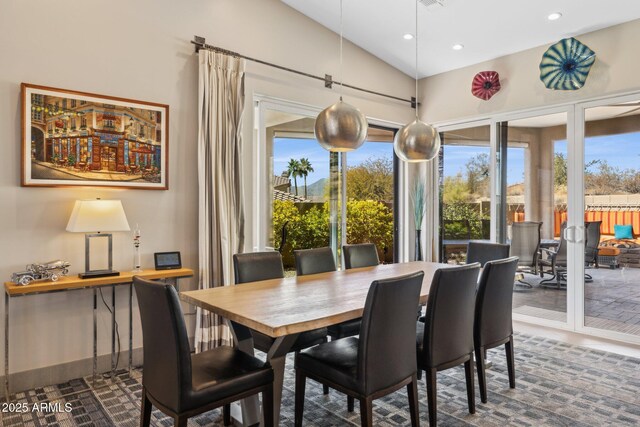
(98, 273)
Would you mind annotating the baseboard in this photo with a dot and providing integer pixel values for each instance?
(56, 374)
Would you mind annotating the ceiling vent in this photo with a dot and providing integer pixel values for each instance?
(433, 4)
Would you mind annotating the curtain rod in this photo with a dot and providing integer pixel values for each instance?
(200, 43)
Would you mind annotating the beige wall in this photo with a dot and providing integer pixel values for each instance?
(141, 50)
(447, 96)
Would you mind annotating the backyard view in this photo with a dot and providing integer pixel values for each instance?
(302, 188)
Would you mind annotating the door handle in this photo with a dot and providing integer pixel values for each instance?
(573, 230)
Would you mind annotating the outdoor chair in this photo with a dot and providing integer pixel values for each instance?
(525, 244)
(555, 261)
(592, 242)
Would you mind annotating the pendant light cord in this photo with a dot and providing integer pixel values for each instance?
(341, 76)
(417, 104)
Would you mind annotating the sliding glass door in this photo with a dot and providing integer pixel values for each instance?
(611, 294)
(532, 176)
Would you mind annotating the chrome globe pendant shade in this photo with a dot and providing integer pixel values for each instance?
(341, 127)
(416, 141)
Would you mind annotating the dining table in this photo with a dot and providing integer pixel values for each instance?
(284, 308)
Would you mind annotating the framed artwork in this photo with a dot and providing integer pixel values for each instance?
(72, 138)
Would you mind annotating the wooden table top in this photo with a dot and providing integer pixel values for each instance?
(74, 282)
(297, 304)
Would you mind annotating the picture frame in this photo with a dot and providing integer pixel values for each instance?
(72, 138)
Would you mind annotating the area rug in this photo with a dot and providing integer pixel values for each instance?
(557, 385)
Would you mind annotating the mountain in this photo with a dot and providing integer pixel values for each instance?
(315, 190)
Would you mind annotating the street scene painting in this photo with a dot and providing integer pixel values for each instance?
(82, 139)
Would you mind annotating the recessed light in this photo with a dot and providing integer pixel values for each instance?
(554, 16)
(408, 36)
(457, 46)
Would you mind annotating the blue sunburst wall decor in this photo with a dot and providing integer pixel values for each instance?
(566, 65)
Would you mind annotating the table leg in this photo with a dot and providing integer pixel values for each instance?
(113, 331)
(130, 327)
(95, 335)
(276, 357)
(244, 343)
(6, 347)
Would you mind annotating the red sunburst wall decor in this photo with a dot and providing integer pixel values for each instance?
(485, 84)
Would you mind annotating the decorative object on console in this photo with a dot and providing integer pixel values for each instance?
(341, 127)
(167, 260)
(566, 65)
(51, 270)
(72, 138)
(416, 141)
(485, 84)
(94, 217)
(136, 250)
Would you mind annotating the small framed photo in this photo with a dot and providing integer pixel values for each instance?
(72, 138)
(167, 260)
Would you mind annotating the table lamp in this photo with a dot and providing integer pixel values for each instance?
(94, 217)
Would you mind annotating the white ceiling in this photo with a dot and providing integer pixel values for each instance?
(488, 29)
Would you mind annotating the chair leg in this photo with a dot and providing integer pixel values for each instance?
(301, 383)
(482, 378)
(350, 403)
(366, 412)
(180, 421)
(430, 378)
(412, 393)
(419, 374)
(267, 405)
(508, 347)
(325, 389)
(226, 414)
(471, 390)
(145, 411)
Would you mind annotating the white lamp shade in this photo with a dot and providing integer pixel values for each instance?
(91, 216)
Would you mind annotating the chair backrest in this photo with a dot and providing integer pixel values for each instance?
(448, 328)
(387, 347)
(360, 255)
(312, 261)
(494, 301)
(484, 251)
(456, 229)
(561, 250)
(592, 240)
(525, 241)
(252, 267)
(167, 358)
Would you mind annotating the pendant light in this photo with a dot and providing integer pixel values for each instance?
(416, 141)
(341, 127)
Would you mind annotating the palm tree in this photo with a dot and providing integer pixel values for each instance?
(305, 170)
(293, 170)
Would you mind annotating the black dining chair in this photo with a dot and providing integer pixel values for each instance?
(183, 385)
(256, 266)
(445, 339)
(314, 261)
(355, 256)
(492, 326)
(360, 255)
(377, 363)
(483, 252)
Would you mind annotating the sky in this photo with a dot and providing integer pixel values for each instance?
(285, 149)
(622, 151)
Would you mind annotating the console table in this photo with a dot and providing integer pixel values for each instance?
(69, 283)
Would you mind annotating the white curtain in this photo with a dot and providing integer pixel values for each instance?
(221, 212)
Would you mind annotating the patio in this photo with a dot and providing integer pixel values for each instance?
(612, 300)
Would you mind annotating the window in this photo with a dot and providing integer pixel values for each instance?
(317, 198)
